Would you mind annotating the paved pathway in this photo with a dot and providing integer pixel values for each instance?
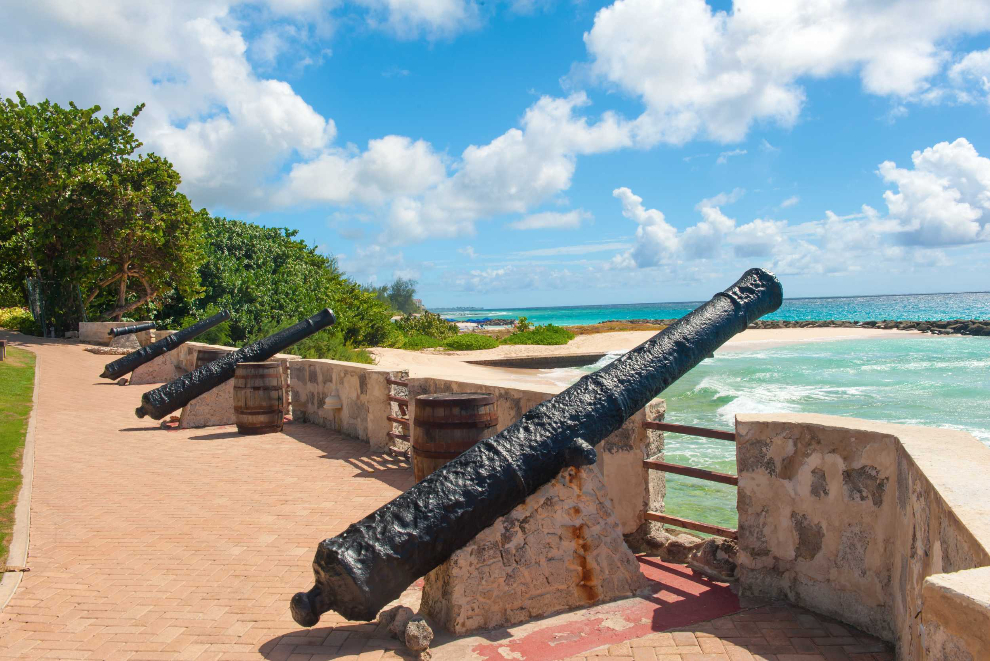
(154, 544)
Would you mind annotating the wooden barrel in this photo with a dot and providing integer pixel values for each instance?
(259, 398)
(447, 424)
(204, 356)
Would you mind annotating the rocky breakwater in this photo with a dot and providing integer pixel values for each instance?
(941, 327)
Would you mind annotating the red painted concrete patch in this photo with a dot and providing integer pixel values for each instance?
(679, 598)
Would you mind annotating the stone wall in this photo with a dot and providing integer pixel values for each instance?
(560, 549)
(633, 489)
(865, 522)
(95, 332)
(347, 397)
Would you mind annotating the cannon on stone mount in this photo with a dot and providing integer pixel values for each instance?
(375, 559)
(128, 330)
(135, 359)
(175, 394)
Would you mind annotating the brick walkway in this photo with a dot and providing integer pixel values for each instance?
(153, 544)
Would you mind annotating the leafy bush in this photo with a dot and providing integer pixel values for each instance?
(523, 325)
(419, 341)
(429, 324)
(470, 342)
(329, 346)
(18, 319)
(548, 334)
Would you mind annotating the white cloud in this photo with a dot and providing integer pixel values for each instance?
(390, 166)
(408, 19)
(468, 251)
(721, 199)
(713, 74)
(521, 169)
(790, 202)
(944, 200)
(724, 157)
(510, 278)
(767, 147)
(583, 249)
(552, 220)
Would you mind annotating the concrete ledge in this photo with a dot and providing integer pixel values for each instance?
(554, 361)
(956, 615)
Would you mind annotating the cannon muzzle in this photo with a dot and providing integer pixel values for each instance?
(174, 395)
(375, 559)
(127, 330)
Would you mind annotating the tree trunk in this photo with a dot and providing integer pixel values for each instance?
(121, 311)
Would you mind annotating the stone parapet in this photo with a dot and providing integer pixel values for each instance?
(558, 550)
(634, 490)
(866, 522)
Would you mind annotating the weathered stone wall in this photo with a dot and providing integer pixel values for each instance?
(633, 489)
(850, 517)
(560, 549)
(95, 332)
(347, 397)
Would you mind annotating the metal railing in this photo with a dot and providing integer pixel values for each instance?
(690, 471)
(401, 420)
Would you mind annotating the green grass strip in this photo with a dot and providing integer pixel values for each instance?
(16, 390)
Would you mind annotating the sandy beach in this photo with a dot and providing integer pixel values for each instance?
(457, 365)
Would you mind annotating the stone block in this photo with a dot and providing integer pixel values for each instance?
(212, 409)
(159, 370)
(520, 568)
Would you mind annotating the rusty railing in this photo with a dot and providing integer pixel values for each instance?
(401, 420)
(690, 471)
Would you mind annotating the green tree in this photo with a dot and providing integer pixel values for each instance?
(78, 213)
(400, 295)
(268, 279)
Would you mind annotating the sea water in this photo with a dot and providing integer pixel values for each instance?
(920, 307)
(935, 381)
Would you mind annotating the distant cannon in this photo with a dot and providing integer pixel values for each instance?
(174, 395)
(127, 330)
(135, 359)
(374, 560)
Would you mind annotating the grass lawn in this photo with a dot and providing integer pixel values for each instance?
(16, 388)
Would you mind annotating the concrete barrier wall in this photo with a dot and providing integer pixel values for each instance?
(95, 332)
(869, 523)
(347, 397)
(633, 489)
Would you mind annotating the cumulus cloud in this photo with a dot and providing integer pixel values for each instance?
(942, 201)
(707, 73)
(568, 220)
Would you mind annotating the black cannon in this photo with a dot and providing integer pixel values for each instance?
(127, 330)
(374, 560)
(175, 394)
(135, 359)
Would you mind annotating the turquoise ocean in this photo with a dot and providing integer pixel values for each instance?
(936, 381)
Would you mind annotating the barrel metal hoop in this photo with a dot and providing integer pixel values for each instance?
(454, 424)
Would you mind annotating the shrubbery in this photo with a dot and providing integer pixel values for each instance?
(548, 334)
(419, 341)
(470, 342)
(18, 319)
(429, 324)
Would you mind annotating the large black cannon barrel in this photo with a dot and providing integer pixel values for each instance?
(174, 395)
(127, 330)
(135, 359)
(374, 560)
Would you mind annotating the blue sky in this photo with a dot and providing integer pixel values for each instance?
(533, 152)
